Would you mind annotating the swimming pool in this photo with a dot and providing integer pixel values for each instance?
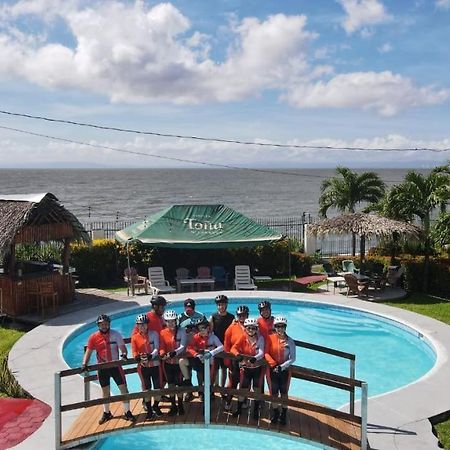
(388, 354)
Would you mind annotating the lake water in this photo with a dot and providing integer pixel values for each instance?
(132, 194)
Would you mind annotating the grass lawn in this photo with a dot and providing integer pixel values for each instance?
(437, 309)
(7, 339)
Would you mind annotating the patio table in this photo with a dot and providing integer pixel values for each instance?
(337, 281)
(197, 282)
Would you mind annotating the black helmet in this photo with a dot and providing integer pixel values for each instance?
(103, 318)
(203, 323)
(242, 309)
(158, 301)
(264, 304)
(221, 299)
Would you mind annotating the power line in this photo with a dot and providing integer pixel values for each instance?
(152, 155)
(221, 140)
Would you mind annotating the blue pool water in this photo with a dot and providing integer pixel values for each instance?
(169, 439)
(388, 355)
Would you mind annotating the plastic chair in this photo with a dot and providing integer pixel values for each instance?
(349, 266)
(356, 287)
(157, 281)
(135, 281)
(220, 275)
(242, 278)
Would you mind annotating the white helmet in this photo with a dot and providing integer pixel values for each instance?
(280, 320)
(141, 319)
(170, 315)
(250, 322)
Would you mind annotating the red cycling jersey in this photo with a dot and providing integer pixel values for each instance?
(265, 326)
(106, 345)
(233, 334)
(147, 343)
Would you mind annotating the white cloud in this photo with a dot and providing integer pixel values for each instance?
(443, 4)
(385, 48)
(362, 14)
(134, 53)
(384, 92)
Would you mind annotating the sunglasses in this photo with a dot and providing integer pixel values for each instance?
(280, 326)
(252, 328)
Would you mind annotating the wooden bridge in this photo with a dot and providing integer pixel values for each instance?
(306, 420)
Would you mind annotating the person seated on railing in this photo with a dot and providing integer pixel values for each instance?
(265, 321)
(185, 361)
(280, 354)
(204, 346)
(232, 335)
(249, 350)
(172, 343)
(189, 313)
(219, 322)
(107, 343)
(145, 349)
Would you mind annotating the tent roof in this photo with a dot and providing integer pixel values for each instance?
(198, 226)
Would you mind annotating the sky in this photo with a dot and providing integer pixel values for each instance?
(371, 74)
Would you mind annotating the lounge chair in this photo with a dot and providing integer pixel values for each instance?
(134, 281)
(356, 287)
(242, 279)
(220, 275)
(157, 281)
(349, 266)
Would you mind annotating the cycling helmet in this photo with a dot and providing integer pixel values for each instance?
(264, 304)
(103, 318)
(141, 319)
(280, 320)
(250, 322)
(170, 315)
(158, 301)
(242, 310)
(221, 299)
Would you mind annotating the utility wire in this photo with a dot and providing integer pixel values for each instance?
(152, 155)
(227, 141)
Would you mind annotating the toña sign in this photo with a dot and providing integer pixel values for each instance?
(205, 225)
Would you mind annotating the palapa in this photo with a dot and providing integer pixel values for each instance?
(363, 225)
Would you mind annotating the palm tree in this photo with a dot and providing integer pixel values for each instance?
(347, 190)
(417, 197)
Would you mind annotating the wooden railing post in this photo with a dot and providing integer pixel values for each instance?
(87, 389)
(57, 410)
(364, 394)
(207, 391)
(352, 392)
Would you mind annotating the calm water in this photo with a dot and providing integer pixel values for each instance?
(387, 357)
(132, 194)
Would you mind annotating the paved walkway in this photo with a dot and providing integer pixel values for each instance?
(397, 420)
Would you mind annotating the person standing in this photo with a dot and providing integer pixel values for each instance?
(107, 343)
(219, 323)
(155, 315)
(280, 354)
(232, 335)
(190, 314)
(145, 349)
(172, 344)
(265, 321)
(249, 350)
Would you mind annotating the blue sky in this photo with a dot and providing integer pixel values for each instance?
(345, 73)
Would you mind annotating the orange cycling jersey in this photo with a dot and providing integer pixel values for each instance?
(233, 334)
(280, 351)
(265, 326)
(201, 343)
(245, 347)
(172, 341)
(155, 323)
(106, 345)
(147, 343)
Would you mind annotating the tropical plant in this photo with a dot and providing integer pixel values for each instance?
(345, 191)
(417, 197)
(440, 233)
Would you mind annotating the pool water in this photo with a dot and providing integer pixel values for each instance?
(388, 355)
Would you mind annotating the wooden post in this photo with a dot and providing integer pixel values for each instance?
(65, 256)
(57, 411)
(207, 391)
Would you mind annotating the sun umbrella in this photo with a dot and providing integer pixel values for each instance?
(363, 225)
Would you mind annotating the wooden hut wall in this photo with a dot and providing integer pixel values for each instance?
(46, 232)
(17, 300)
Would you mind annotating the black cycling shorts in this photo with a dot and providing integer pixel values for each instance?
(251, 377)
(149, 376)
(105, 375)
(279, 382)
(173, 374)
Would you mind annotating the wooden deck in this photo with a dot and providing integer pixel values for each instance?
(306, 420)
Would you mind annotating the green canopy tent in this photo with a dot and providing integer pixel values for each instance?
(198, 227)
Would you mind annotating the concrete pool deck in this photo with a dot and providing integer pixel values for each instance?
(397, 420)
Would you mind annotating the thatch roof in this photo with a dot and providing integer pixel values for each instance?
(363, 224)
(39, 217)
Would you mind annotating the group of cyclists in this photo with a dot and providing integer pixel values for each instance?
(168, 347)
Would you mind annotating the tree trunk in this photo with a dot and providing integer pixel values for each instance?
(353, 244)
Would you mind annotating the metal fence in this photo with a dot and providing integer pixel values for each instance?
(292, 227)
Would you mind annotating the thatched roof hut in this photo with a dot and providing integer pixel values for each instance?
(31, 219)
(363, 225)
(36, 217)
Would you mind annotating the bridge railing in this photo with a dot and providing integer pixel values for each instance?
(315, 376)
